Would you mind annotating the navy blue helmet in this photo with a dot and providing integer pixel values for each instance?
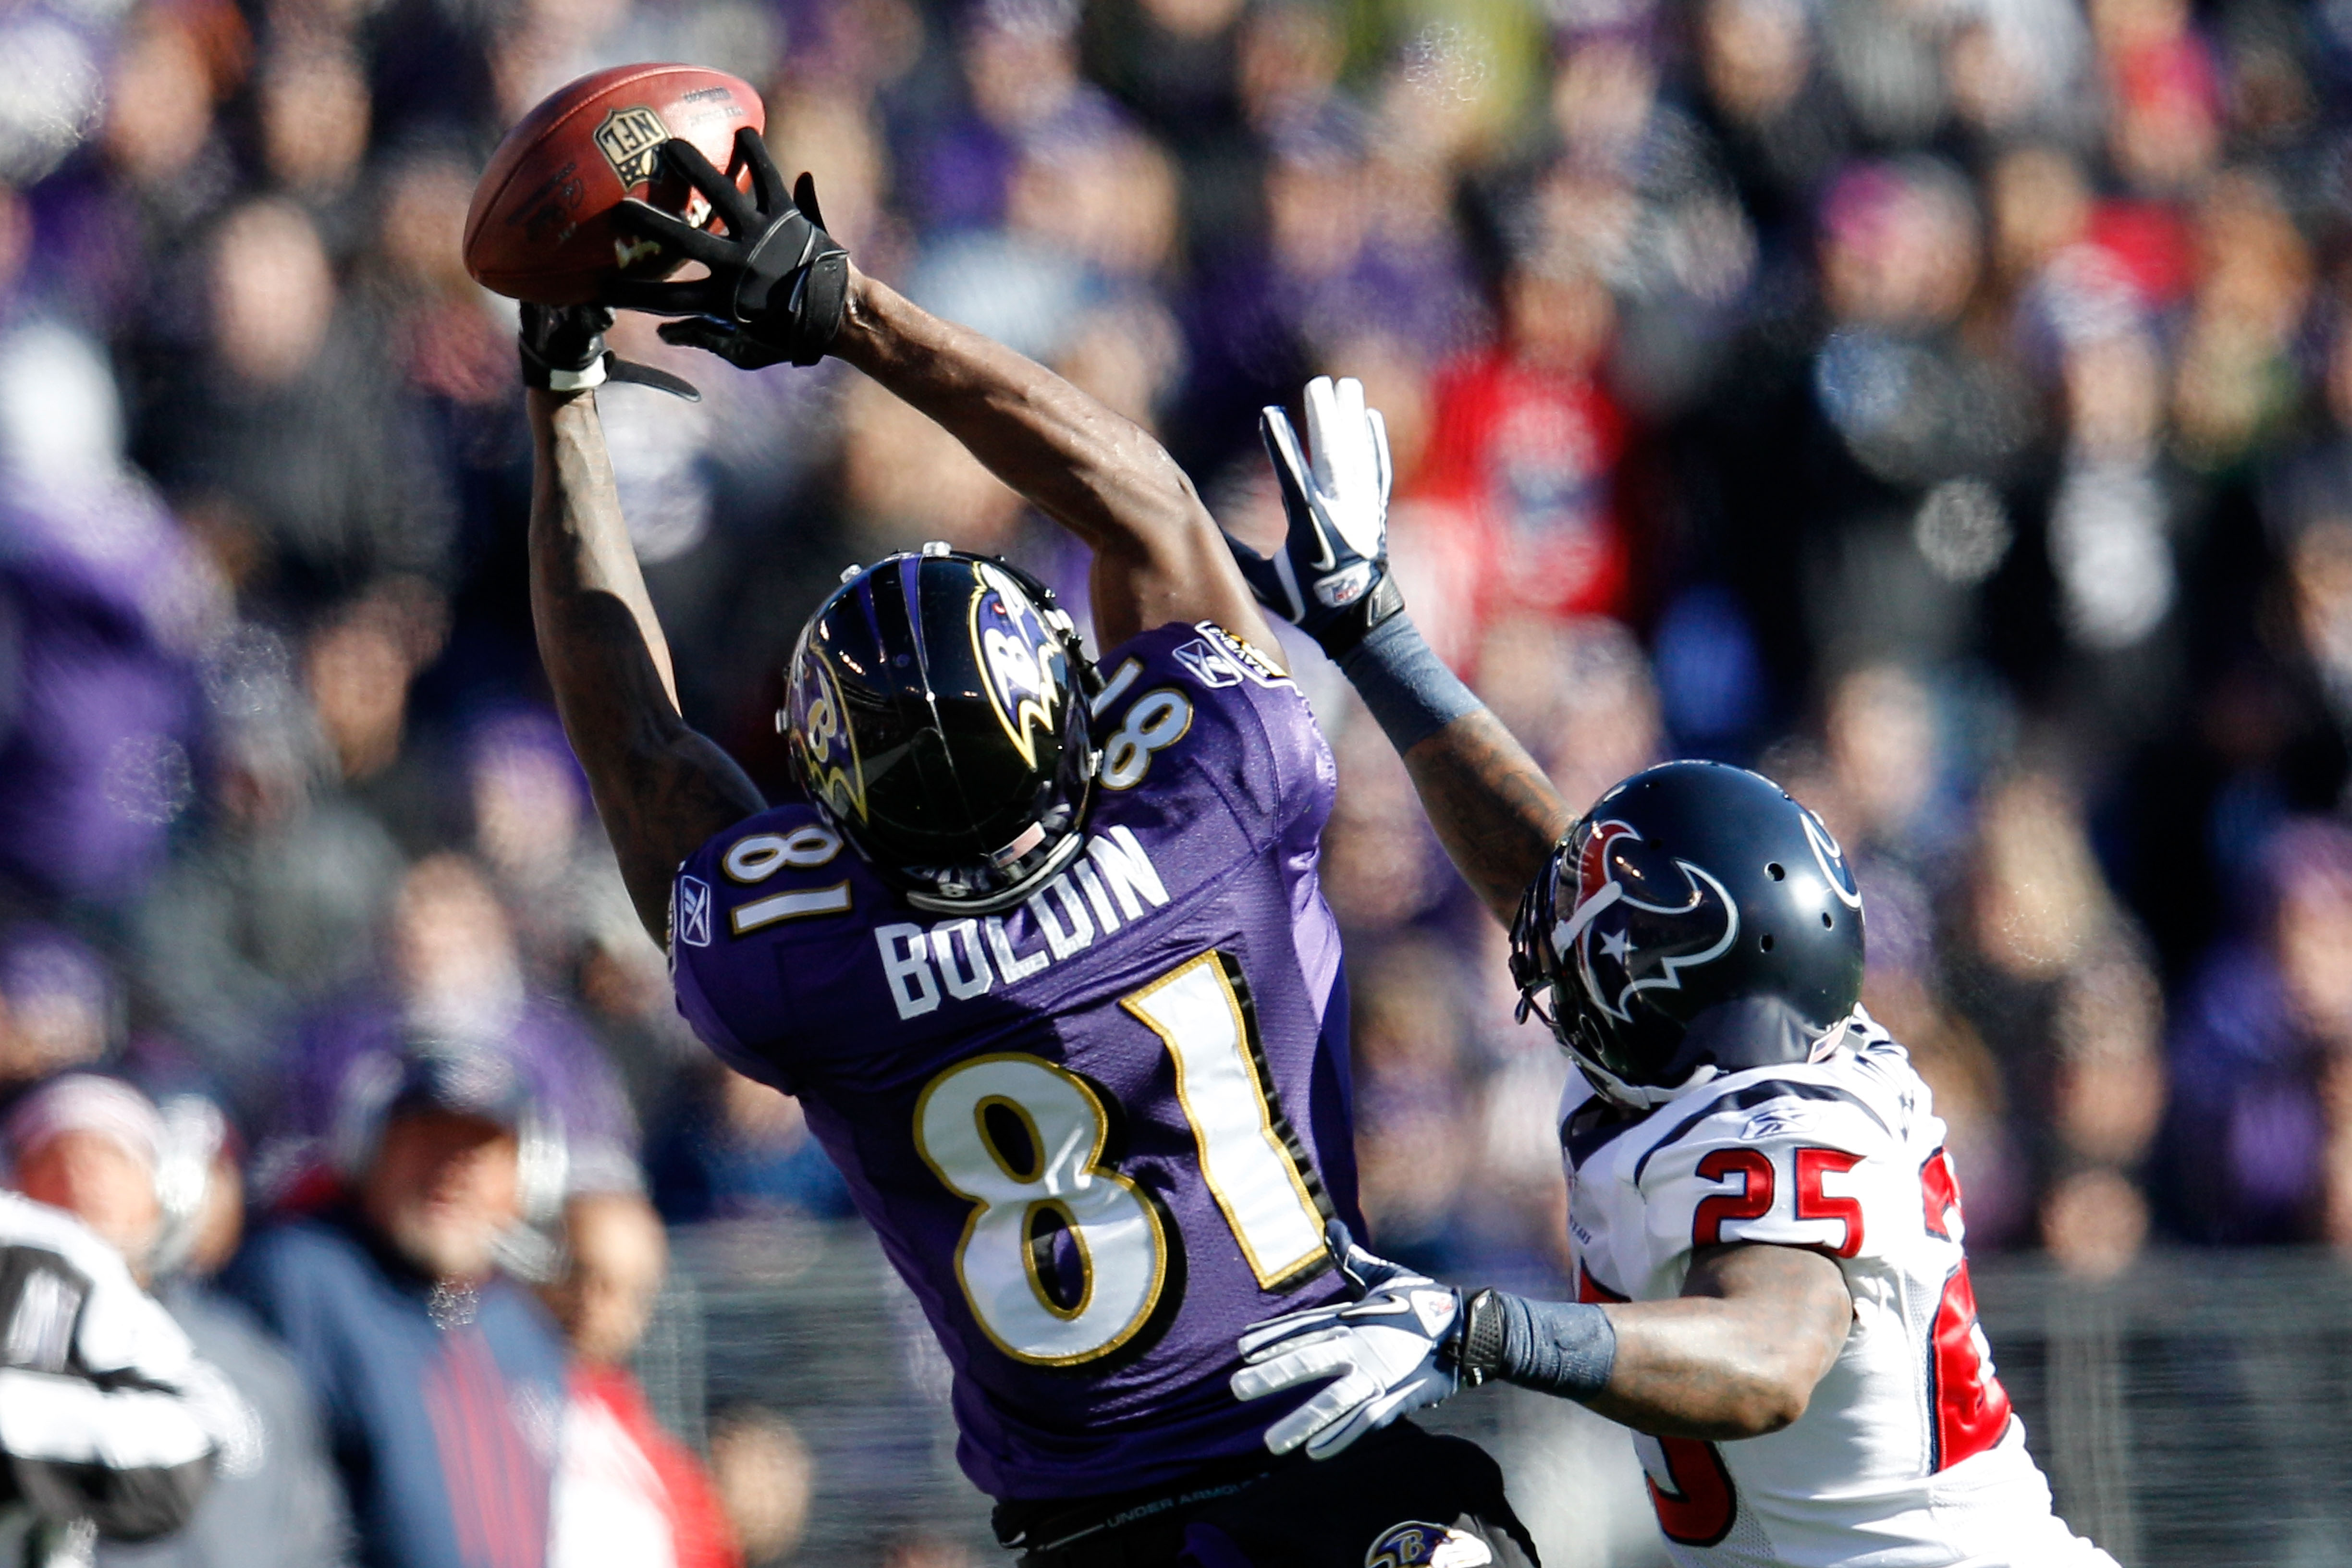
(937, 713)
(1698, 920)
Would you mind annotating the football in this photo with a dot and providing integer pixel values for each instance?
(541, 225)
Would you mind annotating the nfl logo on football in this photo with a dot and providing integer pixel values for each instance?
(631, 141)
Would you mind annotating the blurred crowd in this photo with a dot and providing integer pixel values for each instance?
(1944, 406)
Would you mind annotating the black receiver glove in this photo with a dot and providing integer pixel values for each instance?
(563, 349)
(778, 282)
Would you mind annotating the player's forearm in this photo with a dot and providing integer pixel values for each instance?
(660, 788)
(1092, 470)
(1737, 1353)
(1713, 1370)
(1492, 808)
(580, 547)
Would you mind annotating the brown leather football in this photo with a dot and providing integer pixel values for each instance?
(541, 225)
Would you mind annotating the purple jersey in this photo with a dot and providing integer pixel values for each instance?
(1098, 1132)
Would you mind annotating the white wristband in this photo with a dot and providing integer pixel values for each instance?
(586, 378)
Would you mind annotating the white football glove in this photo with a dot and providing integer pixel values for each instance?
(1330, 578)
(1386, 1354)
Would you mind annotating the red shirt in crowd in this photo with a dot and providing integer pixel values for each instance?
(1527, 455)
(668, 1480)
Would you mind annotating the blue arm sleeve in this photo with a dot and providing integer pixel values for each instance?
(1409, 691)
(1556, 1347)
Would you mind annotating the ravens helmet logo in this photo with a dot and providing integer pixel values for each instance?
(1418, 1545)
(819, 723)
(1020, 658)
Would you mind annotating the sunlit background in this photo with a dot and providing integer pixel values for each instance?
(1944, 406)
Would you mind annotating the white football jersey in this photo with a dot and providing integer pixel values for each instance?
(1908, 1455)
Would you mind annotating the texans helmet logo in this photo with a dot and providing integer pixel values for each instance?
(1640, 918)
(1830, 859)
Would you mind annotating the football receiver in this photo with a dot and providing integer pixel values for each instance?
(1772, 1287)
(1042, 952)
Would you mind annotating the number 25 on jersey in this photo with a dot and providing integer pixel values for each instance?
(1064, 1259)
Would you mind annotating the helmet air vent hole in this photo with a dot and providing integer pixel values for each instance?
(1827, 923)
(1767, 943)
(1774, 872)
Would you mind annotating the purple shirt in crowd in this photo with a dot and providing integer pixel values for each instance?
(1100, 1132)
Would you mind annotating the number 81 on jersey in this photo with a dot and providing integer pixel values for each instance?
(1022, 1140)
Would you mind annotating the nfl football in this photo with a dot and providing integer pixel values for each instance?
(541, 225)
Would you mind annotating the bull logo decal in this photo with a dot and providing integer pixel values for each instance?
(1021, 662)
(1641, 917)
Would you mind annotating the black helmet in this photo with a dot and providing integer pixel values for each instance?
(937, 711)
(1698, 920)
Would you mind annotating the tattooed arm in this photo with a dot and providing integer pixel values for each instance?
(1159, 556)
(1737, 1353)
(780, 287)
(661, 788)
(1492, 808)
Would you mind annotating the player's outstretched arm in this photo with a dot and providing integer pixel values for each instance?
(780, 287)
(661, 788)
(1493, 809)
(1159, 556)
(1736, 1355)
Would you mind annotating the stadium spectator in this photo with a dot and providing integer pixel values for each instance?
(733, 1149)
(2256, 1147)
(115, 1426)
(443, 1381)
(627, 1492)
(281, 898)
(59, 1005)
(99, 1149)
(98, 706)
(456, 976)
(766, 1479)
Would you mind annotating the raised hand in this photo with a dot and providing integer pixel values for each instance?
(1330, 577)
(777, 283)
(563, 349)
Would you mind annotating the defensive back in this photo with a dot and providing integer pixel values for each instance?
(1910, 1436)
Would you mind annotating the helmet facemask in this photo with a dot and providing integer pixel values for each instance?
(1557, 994)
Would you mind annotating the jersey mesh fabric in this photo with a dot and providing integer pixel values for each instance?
(1902, 1459)
(800, 968)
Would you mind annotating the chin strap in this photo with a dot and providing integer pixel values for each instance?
(1641, 1096)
